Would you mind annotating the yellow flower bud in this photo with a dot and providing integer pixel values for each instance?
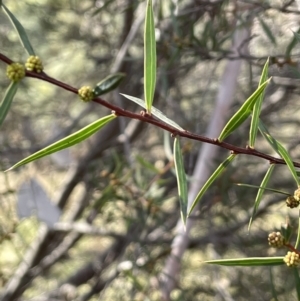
(86, 93)
(15, 72)
(34, 63)
(292, 259)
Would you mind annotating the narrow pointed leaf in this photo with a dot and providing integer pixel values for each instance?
(167, 146)
(251, 261)
(109, 83)
(181, 180)
(273, 289)
(20, 29)
(287, 231)
(212, 178)
(297, 282)
(260, 192)
(257, 107)
(297, 36)
(7, 100)
(243, 113)
(67, 141)
(279, 149)
(156, 112)
(292, 44)
(264, 188)
(267, 31)
(149, 57)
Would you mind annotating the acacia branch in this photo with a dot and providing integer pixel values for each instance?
(152, 120)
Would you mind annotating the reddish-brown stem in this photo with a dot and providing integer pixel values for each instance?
(152, 120)
(292, 248)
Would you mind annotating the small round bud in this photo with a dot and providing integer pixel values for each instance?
(104, 173)
(292, 259)
(292, 202)
(114, 183)
(15, 72)
(297, 194)
(86, 93)
(34, 63)
(276, 240)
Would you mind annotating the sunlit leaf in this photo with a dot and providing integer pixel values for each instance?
(267, 31)
(149, 57)
(242, 114)
(7, 100)
(251, 261)
(257, 107)
(212, 178)
(167, 146)
(20, 29)
(156, 112)
(67, 141)
(109, 83)
(260, 192)
(181, 180)
(279, 149)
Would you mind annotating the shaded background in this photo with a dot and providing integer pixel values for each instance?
(117, 191)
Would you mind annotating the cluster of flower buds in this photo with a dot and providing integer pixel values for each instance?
(297, 194)
(15, 72)
(34, 63)
(276, 240)
(86, 93)
(292, 259)
(292, 202)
